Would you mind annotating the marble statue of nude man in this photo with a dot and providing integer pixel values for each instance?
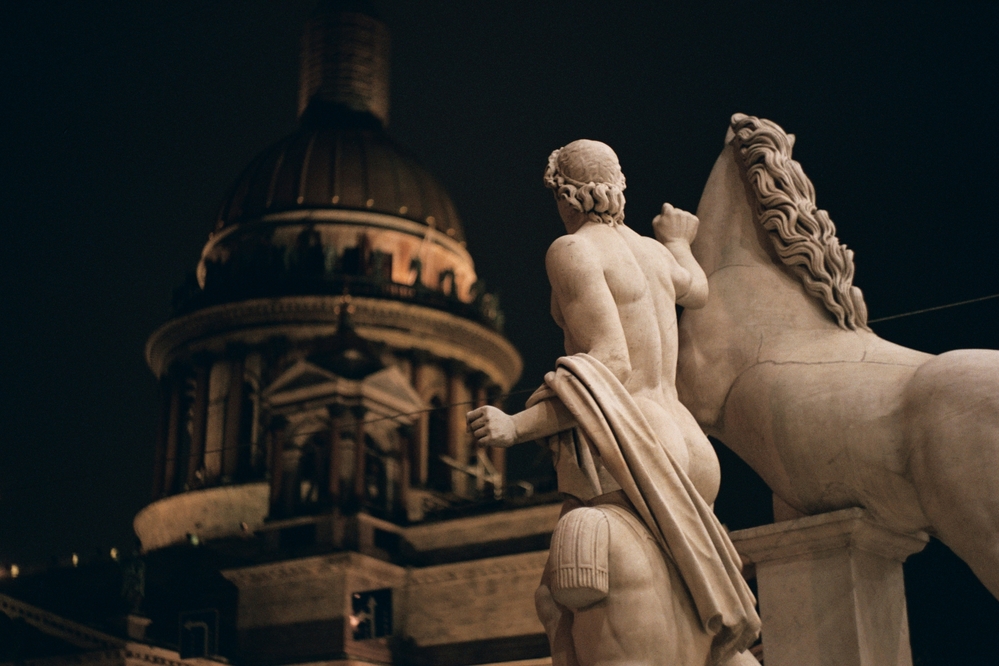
(613, 593)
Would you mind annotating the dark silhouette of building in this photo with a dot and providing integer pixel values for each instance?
(316, 495)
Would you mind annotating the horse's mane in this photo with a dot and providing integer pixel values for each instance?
(803, 236)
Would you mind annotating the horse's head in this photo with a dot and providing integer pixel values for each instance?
(758, 207)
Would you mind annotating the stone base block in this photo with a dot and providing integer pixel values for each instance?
(831, 589)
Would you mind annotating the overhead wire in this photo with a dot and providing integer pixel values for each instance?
(522, 391)
(933, 309)
(365, 422)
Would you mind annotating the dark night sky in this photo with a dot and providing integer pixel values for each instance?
(123, 124)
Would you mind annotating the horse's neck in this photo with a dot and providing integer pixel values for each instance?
(757, 309)
(747, 278)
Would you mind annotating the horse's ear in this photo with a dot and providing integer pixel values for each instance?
(730, 134)
(790, 140)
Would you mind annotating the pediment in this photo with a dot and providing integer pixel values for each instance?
(386, 393)
(305, 381)
(300, 375)
(389, 393)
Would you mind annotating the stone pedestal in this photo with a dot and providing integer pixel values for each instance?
(831, 589)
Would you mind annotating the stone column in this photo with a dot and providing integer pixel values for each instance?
(253, 372)
(333, 473)
(831, 589)
(231, 438)
(458, 402)
(173, 433)
(162, 439)
(405, 471)
(199, 419)
(276, 440)
(218, 387)
(421, 445)
(360, 458)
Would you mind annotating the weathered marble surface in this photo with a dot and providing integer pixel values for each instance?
(640, 570)
(781, 367)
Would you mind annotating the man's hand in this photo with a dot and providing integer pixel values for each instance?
(491, 427)
(674, 225)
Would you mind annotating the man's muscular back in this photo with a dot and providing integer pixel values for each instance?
(613, 295)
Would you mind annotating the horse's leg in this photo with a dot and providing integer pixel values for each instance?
(952, 427)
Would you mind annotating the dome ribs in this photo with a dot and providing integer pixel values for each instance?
(352, 180)
(316, 188)
(288, 174)
(398, 203)
(258, 184)
(427, 207)
(340, 166)
(409, 190)
(304, 175)
(272, 185)
(382, 186)
(337, 176)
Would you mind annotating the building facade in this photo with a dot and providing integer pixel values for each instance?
(316, 495)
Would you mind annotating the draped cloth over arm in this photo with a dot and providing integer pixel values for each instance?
(664, 498)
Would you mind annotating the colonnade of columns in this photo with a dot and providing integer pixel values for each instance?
(204, 438)
(214, 431)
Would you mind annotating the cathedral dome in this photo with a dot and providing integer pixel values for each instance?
(338, 207)
(339, 159)
(333, 313)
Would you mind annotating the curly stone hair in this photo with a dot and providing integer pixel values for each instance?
(803, 236)
(588, 176)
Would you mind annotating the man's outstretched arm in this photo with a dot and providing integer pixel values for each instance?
(493, 427)
(676, 229)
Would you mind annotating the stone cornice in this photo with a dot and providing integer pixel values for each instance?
(522, 563)
(309, 568)
(148, 654)
(513, 524)
(397, 324)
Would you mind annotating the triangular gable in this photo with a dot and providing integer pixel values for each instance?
(390, 393)
(301, 374)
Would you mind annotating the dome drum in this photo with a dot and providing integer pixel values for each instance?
(337, 252)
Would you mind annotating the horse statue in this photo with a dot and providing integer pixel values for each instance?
(781, 366)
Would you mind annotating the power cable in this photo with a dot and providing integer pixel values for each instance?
(933, 309)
